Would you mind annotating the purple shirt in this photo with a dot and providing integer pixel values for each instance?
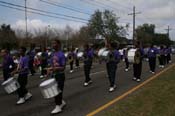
(168, 51)
(117, 54)
(31, 54)
(71, 55)
(152, 52)
(162, 51)
(91, 52)
(88, 56)
(8, 62)
(23, 64)
(142, 52)
(88, 53)
(58, 59)
(113, 57)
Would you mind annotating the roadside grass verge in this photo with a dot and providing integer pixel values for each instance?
(157, 98)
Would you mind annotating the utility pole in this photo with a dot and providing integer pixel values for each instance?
(168, 31)
(48, 34)
(26, 17)
(134, 15)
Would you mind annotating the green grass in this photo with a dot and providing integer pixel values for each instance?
(157, 98)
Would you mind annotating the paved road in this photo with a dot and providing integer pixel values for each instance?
(80, 100)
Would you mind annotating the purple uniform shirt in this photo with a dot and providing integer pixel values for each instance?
(88, 56)
(8, 63)
(24, 65)
(58, 59)
(168, 51)
(71, 55)
(117, 54)
(162, 51)
(115, 57)
(152, 52)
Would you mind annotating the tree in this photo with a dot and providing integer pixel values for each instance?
(105, 24)
(161, 39)
(8, 38)
(145, 33)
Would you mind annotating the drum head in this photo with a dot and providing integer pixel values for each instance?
(66, 54)
(9, 80)
(80, 54)
(105, 53)
(47, 82)
(131, 54)
(101, 51)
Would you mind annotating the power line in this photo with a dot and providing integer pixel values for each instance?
(79, 9)
(72, 9)
(108, 6)
(38, 13)
(93, 4)
(47, 12)
(115, 2)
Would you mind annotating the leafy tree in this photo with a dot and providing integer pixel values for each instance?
(145, 33)
(8, 38)
(105, 24)
(162, 39)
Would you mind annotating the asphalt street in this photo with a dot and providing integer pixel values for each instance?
(80, 100)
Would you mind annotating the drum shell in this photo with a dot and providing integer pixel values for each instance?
(50, 90)
(105, 54)
(11, 85)
(80, 54)
(131, 55)
(100, 52)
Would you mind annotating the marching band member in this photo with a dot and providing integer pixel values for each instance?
(58, 62)
(168, 54)
(71, 60)
(152, 52)
(92, 52)
(23, 71)
(137, 66)
(31, 54)
(125, 56)
(88, 56)
(76, 59)
(44, 63)
(8, 64)
(113, 59)
(161, 57)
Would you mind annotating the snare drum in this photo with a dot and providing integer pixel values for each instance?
(131, 54)
(49, 88)
(11, 85)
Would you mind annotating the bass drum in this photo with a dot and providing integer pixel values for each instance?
(80, 54)
(105, 54)
(100, 52)
(66, 54)
(131, 55)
